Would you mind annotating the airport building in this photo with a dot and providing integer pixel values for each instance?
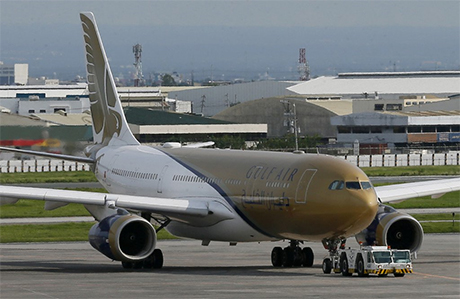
(209, 101)
(386, 105)
(380, 130)
(16, 74)
(154, 126)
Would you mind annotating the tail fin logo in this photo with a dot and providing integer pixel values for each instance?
(106, 110)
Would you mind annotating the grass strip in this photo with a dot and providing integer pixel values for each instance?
(448, 200)
(35, 208)
(47, 177)
(61, 232)
(433, 217)
(440, 227)
(412, 170)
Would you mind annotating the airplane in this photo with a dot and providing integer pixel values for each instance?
(220, 195)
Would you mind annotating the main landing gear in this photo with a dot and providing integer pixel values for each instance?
(292, 256)
(154, 261)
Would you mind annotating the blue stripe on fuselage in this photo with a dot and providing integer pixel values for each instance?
(221, 192)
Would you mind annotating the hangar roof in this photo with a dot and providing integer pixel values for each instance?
(141, 116)
(446, 83)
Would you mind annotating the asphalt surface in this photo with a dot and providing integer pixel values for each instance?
(75, 270)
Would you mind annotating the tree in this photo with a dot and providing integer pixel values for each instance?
(168, 80)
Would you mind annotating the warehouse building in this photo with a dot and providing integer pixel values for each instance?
(380, 130)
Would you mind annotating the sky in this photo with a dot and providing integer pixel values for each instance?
(226, 39)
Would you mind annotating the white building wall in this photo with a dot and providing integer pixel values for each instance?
(21, 73)
(31, 107)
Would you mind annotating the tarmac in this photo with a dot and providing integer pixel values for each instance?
(76, 270)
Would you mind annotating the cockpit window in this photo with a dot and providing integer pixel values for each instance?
(353, 185)
(336, 185)
(366, 185)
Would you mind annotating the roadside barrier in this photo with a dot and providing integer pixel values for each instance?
(11, 166)
(395, 160)
(386, 160)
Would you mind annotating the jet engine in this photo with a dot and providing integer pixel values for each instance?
(392, 228)
(126, 238)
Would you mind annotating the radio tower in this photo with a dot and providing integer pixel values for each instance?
(138, 76)
(304, 69)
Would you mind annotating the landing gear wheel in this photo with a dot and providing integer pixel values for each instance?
(155, 260)
(309, 257)
(344, 265)
(288, 257)
(277, 257)
(360, 266)
(327, 266)
(299, 257)
(127, 265)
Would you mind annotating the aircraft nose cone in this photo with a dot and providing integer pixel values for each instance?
(364, 208)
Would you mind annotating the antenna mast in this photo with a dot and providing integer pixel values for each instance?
(138, 76)
(303, 68)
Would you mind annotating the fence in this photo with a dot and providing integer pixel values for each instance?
(393, 160)
(10, 166)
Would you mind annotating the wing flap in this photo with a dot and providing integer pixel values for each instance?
(400, 192)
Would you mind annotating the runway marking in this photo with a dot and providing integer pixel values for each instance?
(437, 276)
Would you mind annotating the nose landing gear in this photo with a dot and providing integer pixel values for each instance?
(332, 246)
(292, 256)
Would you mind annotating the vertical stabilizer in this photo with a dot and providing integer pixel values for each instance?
(109, 123)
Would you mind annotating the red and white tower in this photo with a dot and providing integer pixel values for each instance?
(303, 68)
(138, 76)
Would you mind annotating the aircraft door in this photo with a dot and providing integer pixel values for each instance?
(161, 178)
(304, 183)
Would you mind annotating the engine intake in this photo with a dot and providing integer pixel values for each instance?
(392, 228)
(126, 238)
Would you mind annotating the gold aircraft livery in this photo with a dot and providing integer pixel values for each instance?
(220, 195)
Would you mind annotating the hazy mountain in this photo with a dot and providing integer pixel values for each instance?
(235, 51)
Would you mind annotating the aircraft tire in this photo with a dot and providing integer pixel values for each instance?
(327, 266)
(127, 265)
(299, 257)
(277, 257)
(157, 259)
(309, 257)
(288, 257)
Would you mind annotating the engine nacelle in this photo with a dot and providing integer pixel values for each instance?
(126, 238)
(392, 228)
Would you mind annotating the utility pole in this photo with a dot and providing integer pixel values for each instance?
(203, 100)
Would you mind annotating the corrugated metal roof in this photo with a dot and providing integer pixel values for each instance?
(425, 113)
(381, 85)
(140, 116)
(67, 119)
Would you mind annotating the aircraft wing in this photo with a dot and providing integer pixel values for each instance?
(400, 192)
(178, 208)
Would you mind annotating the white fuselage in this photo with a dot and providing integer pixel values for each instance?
(146, 171)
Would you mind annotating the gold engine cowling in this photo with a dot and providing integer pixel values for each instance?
(126, 238)
(392, 228)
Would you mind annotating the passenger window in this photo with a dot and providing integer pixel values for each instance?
(336, 185)
(353, 185)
